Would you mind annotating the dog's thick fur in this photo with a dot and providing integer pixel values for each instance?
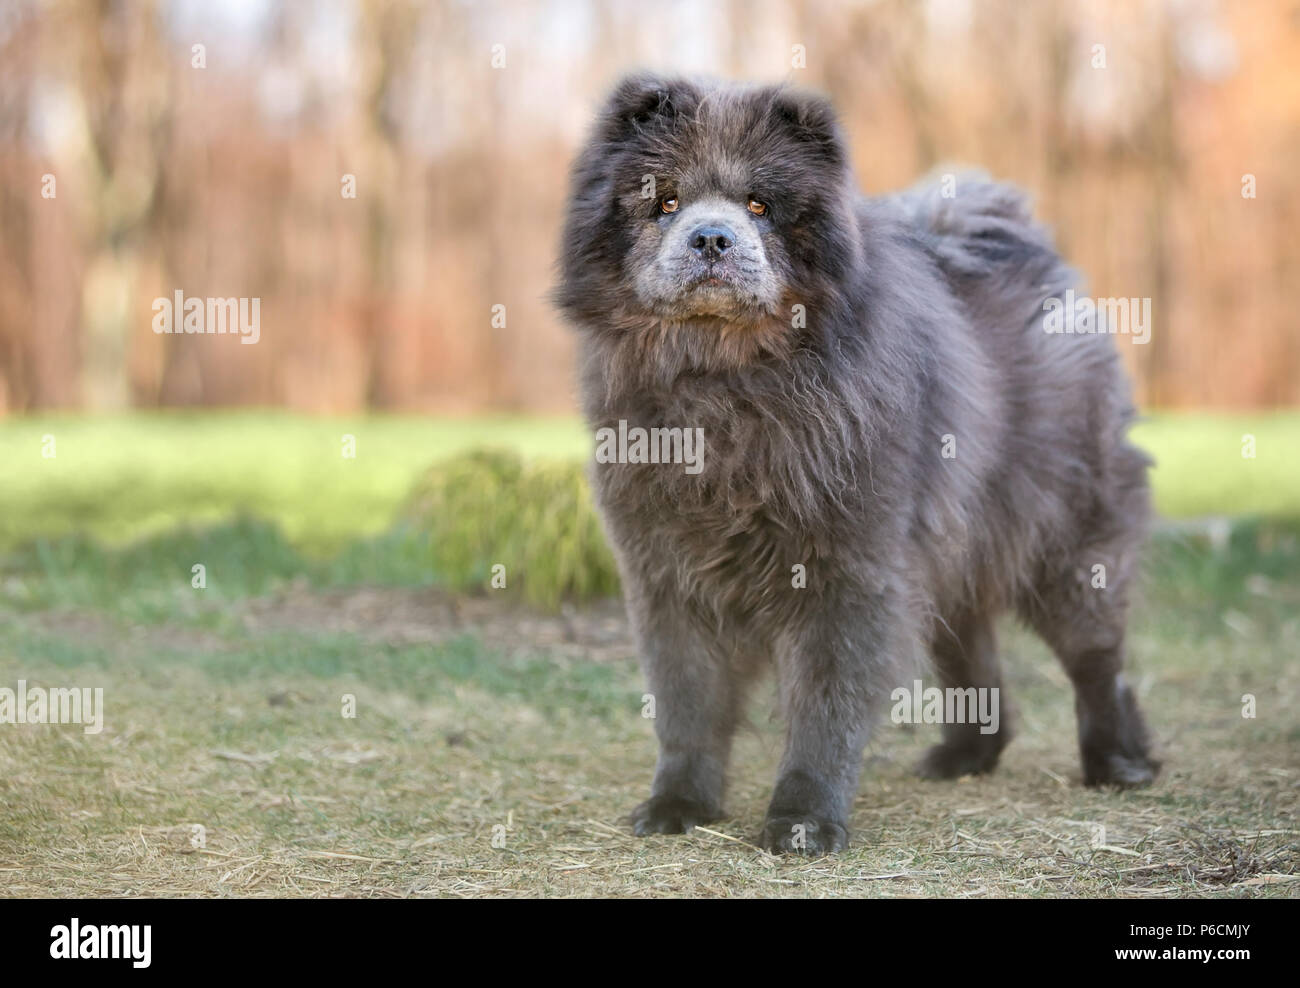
(832, 364)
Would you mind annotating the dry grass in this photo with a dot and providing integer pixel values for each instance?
(237, 729)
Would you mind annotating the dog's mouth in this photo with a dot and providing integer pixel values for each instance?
(715, 294)
(697, 289)
(713, 279)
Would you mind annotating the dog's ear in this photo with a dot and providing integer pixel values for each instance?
(646, 102)
(811, 120)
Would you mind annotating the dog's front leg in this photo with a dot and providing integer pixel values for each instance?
(696, 695)
(835, 670)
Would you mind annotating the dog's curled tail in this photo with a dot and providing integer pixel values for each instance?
(974, 225)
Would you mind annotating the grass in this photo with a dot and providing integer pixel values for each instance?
(1200, 469)
(494, 752)
(485, 508)
(495, 748)
(122, 478)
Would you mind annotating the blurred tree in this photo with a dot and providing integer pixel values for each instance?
(124, 111)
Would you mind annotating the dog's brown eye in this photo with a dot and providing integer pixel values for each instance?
(668, 204)
(757, 208)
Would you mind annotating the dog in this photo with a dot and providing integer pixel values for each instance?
(897, 449)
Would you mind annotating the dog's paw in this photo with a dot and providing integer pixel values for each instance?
(670, 815)
(1120, 771)
(951, 762)
(810, 835)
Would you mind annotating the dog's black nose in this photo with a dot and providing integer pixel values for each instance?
(711, 242)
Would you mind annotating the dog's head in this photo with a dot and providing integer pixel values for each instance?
(714, 214)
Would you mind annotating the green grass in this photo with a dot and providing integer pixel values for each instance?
(120, 478)
(484, 510)
(153, 578)
(232, 656)
(129, 505)
(1200, 469)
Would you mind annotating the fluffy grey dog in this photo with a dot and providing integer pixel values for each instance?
(896, 450)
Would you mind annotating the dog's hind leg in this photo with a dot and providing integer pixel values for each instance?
(1080, 607)
(1113, 739)
(965, 656)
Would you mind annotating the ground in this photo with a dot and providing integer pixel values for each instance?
(496, 749)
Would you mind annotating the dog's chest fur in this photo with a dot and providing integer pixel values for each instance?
(778, 510)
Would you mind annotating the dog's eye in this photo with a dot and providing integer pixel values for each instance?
(757, 208)
(668, 204)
